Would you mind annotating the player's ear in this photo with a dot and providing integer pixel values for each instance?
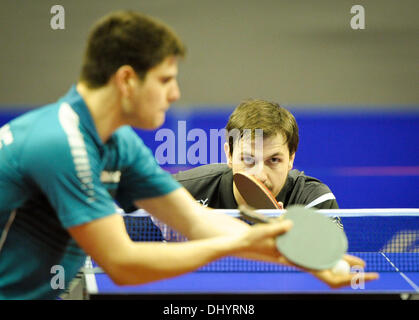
(228, 156)
(125, 79)
(291, 163)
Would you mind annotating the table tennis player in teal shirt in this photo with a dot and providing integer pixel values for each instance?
(64, 175)
(64, 166)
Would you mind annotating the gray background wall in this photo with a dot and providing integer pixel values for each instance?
(294, 52)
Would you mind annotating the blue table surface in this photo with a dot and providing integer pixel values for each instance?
(259, 283)
(254, 283)
(367, 235)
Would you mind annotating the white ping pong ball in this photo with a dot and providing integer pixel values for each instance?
(342, 267)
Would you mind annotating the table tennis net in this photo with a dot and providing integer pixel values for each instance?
(386, 242)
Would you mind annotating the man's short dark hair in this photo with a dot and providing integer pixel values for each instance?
(268, 116)
(127, 38)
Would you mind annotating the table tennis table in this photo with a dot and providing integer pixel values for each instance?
(387, 239)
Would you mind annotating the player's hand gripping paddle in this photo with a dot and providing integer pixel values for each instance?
(255, 192)
(314, 242)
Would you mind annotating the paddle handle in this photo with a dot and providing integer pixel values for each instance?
(249, 214)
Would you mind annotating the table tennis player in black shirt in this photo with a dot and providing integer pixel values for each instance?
(212, 185)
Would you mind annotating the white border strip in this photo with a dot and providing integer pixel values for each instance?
(90, 278)
(410, 282)
(396, 212)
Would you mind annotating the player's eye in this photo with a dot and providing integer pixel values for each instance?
(276, 160)
(166, 79)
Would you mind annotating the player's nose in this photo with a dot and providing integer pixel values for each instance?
(174, 93)
(261, 176)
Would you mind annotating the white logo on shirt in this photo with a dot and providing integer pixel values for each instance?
(203, 202)
(110, 176)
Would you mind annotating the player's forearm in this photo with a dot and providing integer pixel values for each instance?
(190, 218)
(146, 262)
(218, 224)
(212, 224)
